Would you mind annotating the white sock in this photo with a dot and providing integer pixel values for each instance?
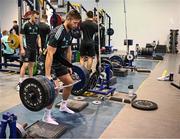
(64, 107)
(47, 117)
(47, 112)
(64, 102)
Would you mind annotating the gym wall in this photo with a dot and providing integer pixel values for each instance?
(8, 13)
(147, 20)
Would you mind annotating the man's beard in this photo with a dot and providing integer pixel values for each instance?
(69, 26)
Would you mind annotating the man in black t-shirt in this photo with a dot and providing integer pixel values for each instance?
(102, 38)
(30, 42)
(15, 28)
(59, 48)
(87, 48)
(44, 30)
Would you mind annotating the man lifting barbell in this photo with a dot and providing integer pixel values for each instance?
(59, 46)
(29, 42)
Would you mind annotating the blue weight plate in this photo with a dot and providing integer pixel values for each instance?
(83, 74)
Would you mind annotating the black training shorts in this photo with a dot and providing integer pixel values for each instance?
(59, 70)
(30, 55)
(87, 48)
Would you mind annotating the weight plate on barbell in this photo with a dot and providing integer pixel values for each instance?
(83, 74)
(52, 90)
(44, 81)
(33, 94)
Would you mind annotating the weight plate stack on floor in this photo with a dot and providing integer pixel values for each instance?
(144, 105)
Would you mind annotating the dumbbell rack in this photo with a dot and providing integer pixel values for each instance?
(173, 41)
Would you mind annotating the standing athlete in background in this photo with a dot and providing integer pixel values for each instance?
(87, 48)
(44, 30)
(30, 43)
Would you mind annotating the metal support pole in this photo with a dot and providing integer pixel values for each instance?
(20, 9)
(126, 32)
(109, 38)
(99, 43)
(34, 5)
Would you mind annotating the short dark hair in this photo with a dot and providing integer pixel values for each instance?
(44, 16)
(4, 32)
(34, 12)
(15, 21)
(74, 14)
(89, 14)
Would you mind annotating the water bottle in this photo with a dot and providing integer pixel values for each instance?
(171, 76)
(130, 90)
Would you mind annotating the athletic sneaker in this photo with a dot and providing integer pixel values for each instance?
(18, 86)
(163, 78)
(64, 108)
(49, 119)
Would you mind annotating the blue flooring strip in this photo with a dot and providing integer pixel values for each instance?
(89, 123)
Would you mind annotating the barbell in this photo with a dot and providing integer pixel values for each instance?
(38, 92)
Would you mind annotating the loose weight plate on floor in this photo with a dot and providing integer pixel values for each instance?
(75, 105)
(144, 105)
(123, 97)
(45, 130)
(121, 72)
(143, 70)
